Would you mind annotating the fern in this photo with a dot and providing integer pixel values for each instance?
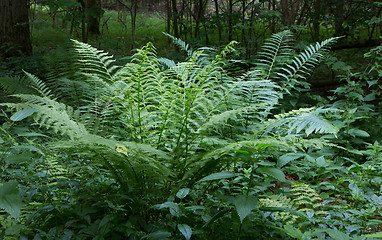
(274, 53)
(303, 65)
(29, 84)
(93, 61)
(153, 121)
(50, 114)
(306, 198)
(276, 63)
(280, 201)
(308, 120)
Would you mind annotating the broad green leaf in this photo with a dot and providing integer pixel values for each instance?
(358, 133)
(218, 215)
(10, 200)
(283, 209)
(287, 158)
(244, 205)
(185, 230)
(18, 158)
(337, 235)
(31, 134)
(369, 97)
(375, 235)
(321, 161)
(1, 140)
(22, 114)
(292, 231)
(218, 176)
(159, 235)
(182, 193)
(273, 172)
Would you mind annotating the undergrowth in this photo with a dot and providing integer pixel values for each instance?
(158, 149)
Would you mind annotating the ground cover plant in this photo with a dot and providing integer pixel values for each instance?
(158, 149)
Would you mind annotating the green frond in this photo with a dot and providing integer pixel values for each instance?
(50, 114)
(181, 44)
(29, 84)
(131, 164)
(274, 53)
(280, 201)
(16, 85)
(39, 85)
(309, 120)
(303, 65)
(93, 62)
(306, 198)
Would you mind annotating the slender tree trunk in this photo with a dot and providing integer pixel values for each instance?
(133, 14)
(339, 18)
(316, 20)
(229, 20)
(168, 19)
(14, 28)
(175, 18)
(93, 16)
(217, 14)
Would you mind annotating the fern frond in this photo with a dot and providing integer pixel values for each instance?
(181, 44)
(132, 165)
(274, 53)
(16, 85)
(50, 114)
(280, 201)
(306, 198)
(307, 119)
(39, 85)
(303, 65)
(94, 62)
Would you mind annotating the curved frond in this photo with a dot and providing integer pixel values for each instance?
(94, 62)
(274, 53)
(303, 65)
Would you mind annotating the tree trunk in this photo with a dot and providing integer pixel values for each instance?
(316, 18)
(14, 28)
(218, 20)
(93, 16)
(229, 20)
(133, 15)
(175, 18)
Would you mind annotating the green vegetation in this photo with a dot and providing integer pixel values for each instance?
(190, 119)
(157, 149)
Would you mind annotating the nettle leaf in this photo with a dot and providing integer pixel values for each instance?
(287, 158)
(159, 235)
(273, 172)
(358, 133)
(337, 235)
(10, 200)
(182, 193)
(173, 207)
(22, 114)
(244, 205)
(18, 158)
(185, 230)
(375, 235)
(218, 176)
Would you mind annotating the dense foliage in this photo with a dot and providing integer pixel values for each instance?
(149, 148)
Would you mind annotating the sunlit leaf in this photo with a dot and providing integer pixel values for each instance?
(185, 230)
(218, 176)
(273, 172)
(22, 114)
(10, 200)
(182, 193)
(244, 205)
